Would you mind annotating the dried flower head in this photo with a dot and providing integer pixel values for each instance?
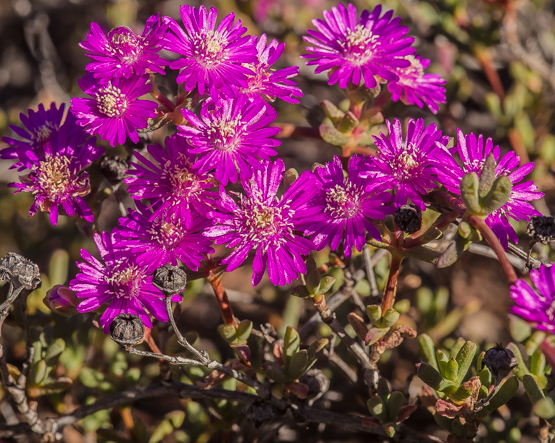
(127, 330)
(408, 218)
(542, 229)
(170, 280)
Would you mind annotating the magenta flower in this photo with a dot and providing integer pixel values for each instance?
(230, 135)
(115, 111)
(171, 183)
(261, 222)
(211, 57)
(59, 178)
(344, 207)
(164, 239)
(39, 127)
(417, 88)
(267, 82)
(122, 53)
(120, 281)
(355, 49)
(410, 166)
(473, 155)
(534, 307)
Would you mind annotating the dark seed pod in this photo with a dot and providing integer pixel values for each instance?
(408, 218)
(170, 280)
(127, 330)
(500, 361)
(20, 271)
(114, 168)
(542, 229)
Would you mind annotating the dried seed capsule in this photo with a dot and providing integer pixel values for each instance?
(20, 271)
(542, 229)
(170, 280)
(408, 218)
(127, 330)
(499, 361)
(114, 168)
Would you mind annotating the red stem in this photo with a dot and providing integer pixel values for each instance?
(389, 292)
(549, 352)
(493, 241)
(159, 97)
(223, 301)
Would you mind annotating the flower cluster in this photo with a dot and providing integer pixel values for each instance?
(372, 49)
(223, 114)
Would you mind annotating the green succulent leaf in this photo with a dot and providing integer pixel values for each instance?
(464, 360)
(291, 345)
(519, 329)
(535, 394)
(333, 136)
(394, 405)
(326, 284)
(545, 408)
(498, 196)
(376, 406)
(314, 349)
(452, 370)
(297, 364)
(470, 184)
(244, 331)
(506, 391)
(428, 350)
(429, 375)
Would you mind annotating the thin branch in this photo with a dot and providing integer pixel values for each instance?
(308, 414)
(339, 297)
(517, 262)
(370, 272)
(491, 238)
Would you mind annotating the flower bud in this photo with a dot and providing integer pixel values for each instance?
(542, 229)
(127, 330)
(61, 300)
(114, 168)
(408, 218)
(19, 271)
(500, 361)
(170, 280)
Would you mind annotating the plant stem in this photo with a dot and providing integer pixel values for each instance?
(159, 97)
(391, 287)
(223, 301)
(493, 241)
(549, 352)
